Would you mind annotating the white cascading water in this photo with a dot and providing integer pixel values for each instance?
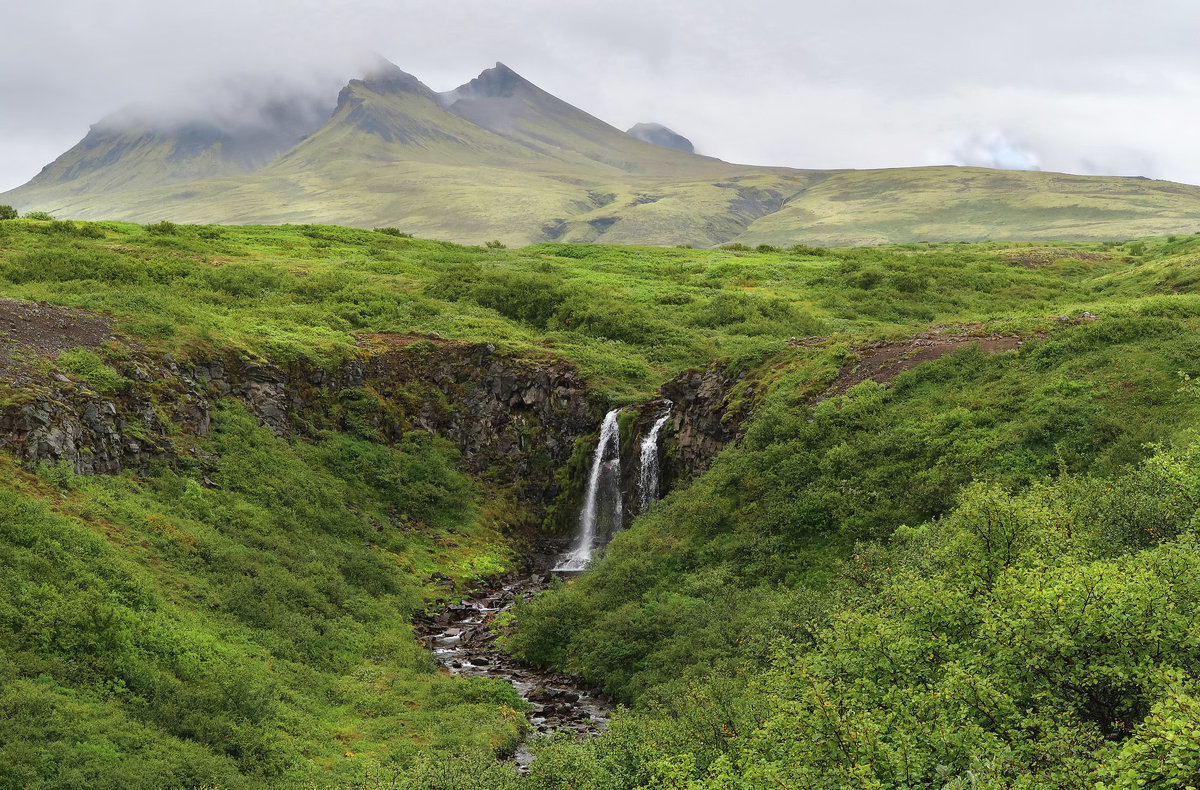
(648, 472)
(603, 494)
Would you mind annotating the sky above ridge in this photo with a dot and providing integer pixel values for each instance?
(1104, 87)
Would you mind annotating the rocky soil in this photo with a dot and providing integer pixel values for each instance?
(883, 361)
(33, 330)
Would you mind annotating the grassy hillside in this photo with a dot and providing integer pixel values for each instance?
(630, 317)
(973, 570)
(970, 204)
(160, 631)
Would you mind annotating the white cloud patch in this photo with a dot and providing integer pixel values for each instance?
(995, 149)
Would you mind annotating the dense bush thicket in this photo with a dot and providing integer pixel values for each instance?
(158, 632)
(690, 583)
(1025, 640)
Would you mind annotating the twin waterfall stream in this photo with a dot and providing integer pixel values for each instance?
(601, 516)
(459, 634)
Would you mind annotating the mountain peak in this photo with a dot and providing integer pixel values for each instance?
(386, 77)
(498, 82)
(660, 135)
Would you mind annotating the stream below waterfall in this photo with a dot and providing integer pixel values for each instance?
(461, 642)
(459, 633)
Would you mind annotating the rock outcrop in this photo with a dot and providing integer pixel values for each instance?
(515, 420)
(159, 416)
(709, 410)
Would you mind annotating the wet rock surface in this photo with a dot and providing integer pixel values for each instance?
(461, 640)
(710, 409)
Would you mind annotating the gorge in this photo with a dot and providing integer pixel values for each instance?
(279, 506)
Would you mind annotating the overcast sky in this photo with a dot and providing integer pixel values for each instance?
(1083, 86)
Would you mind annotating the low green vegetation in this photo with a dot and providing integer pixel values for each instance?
(630, 317)
(977, 573)
(1033, 640)
(246, 626)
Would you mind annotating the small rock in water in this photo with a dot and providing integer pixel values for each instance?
(480, 661)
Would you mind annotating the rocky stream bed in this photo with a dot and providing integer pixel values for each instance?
(459, 636)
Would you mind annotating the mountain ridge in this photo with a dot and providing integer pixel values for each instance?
(500, 158)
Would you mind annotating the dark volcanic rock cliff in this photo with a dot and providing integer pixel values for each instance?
(709, 410)
(515, 420)
(525, 424)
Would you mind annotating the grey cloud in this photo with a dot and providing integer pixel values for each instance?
(1085, 86)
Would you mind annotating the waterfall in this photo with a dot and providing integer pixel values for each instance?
(648, 472)
(602, 504)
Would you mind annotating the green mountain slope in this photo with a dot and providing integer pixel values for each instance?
(970, 204)
(506, 103)
(500, 158)
(132, 150)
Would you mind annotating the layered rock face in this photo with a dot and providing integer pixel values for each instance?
(709, 411)
(517, 421)
(514, 420)
(157, 418)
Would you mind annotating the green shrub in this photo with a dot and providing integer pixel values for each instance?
(92, 369)
(85, 230)
(910, 282)
(163, 228)
(804, 249)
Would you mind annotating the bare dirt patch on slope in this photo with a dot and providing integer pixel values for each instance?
(36, 329)
(396, 340)
(884, 360)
